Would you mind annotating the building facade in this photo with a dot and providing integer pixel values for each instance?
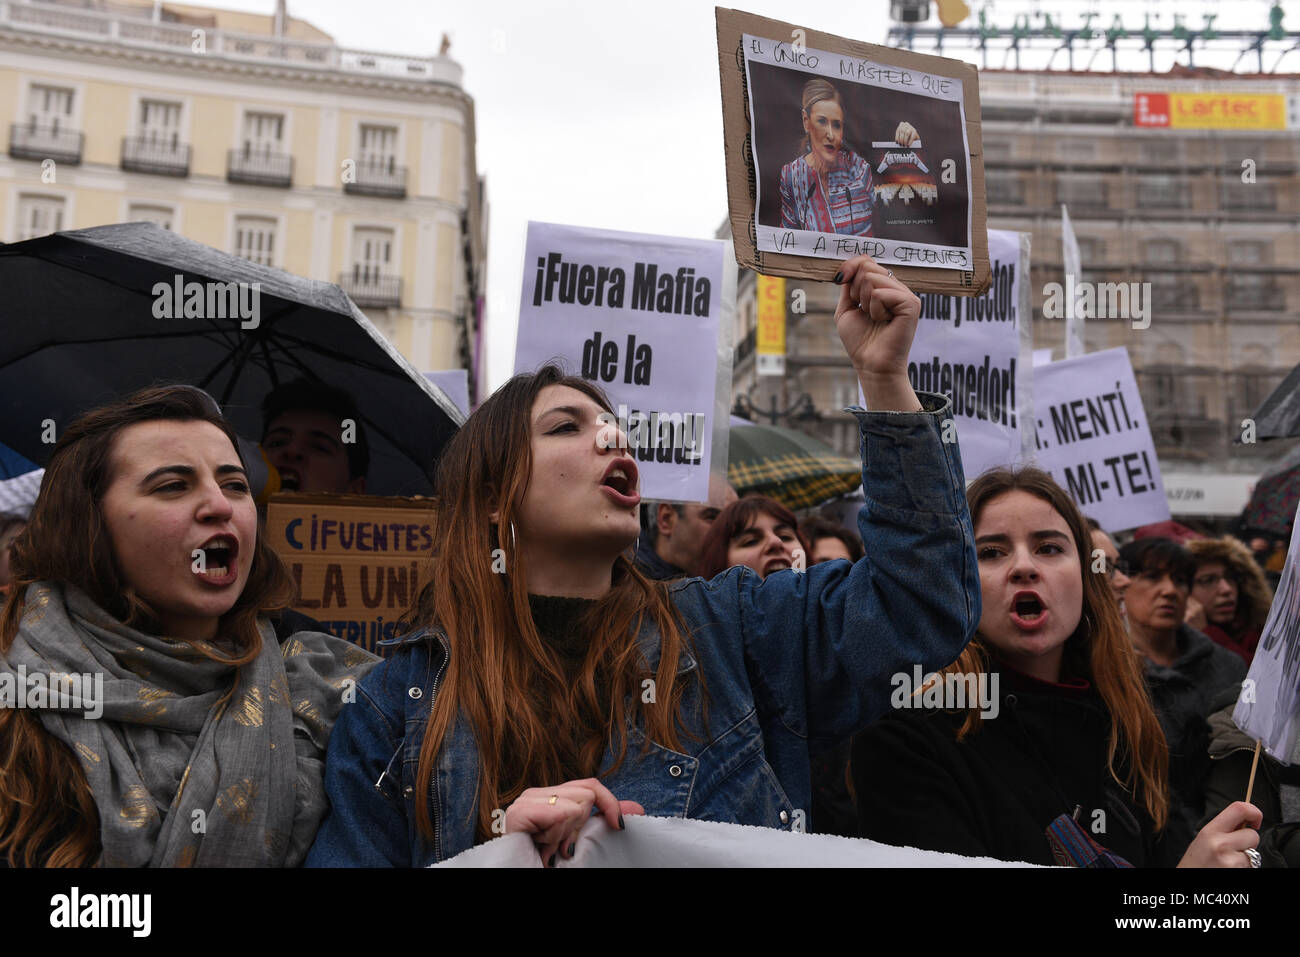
(259, 136)
(1209, 218)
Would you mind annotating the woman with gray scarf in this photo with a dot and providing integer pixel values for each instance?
(148, 713)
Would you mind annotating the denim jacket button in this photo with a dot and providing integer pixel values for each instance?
(675, 770)
(415, 693)
(408, 791)
(785, 818)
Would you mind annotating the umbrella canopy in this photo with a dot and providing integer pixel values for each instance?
(83, 325)
(795, 469)
(1278, 417)
(1273, 504)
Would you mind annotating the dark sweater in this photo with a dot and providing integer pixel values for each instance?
(994, 793)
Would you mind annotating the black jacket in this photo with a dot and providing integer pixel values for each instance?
(994, 793)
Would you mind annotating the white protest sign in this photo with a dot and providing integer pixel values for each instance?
(638, 316)
(684, 842)
(968, 348)
(1094, 438)
(1269, 706)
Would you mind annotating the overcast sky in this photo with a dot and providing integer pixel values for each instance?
(583, 106)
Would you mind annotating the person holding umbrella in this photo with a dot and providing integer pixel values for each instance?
(565, 680)
(191, 735)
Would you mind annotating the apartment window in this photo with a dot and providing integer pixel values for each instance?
(260, 158)
(1091, 249)
(160, 122)
(996, 148)
(1254, 291)
(378, 145)
(1161, 192)
(49, 107)
(1081, 192)
(150, 213)
(1238, 196)
(39, 216)
(1161, 150)
(371, 279)
(157, 147)
(1162, 251)
(1077, 149)
(255, 239)
(1003, 188)
(44, 128)
(377, 172)
(263, 134)
(1173, 291)
(1249, 252)
(845, 394)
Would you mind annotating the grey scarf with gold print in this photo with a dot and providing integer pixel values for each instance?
(181, 777)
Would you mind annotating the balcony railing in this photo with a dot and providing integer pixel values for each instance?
(150, 155)
(259, 168)
(371, 290)
(1262, 298)
(31, 142)
(121, 26)
(377, 178)
(1093, 197)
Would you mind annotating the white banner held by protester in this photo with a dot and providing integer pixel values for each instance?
(638, 316)
(683, 842)
(1094, 438)
(1073, 275)
(1269, 707)
(968, 348)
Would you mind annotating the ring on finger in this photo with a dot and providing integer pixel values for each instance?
(1253, 856)
(554, 798)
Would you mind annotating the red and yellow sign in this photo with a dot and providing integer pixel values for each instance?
(771, 316)
(1210, 111)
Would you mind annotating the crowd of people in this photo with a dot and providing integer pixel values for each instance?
(722, 661)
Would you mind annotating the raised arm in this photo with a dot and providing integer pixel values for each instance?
(822, 646)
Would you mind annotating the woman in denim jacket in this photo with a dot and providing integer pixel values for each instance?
(546, 657)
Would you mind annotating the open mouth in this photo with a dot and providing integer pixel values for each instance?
(1029, 607)
(620, 478)
(290, 481)
(775, 565)
(219, 555)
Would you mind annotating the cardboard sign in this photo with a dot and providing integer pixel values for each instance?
(359, 561)
(1269, 706)
(885, 161)
(639, 316)
(1093, 436)
(969, 350)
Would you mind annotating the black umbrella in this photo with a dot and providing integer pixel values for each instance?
(1278, 417)
(84, 321)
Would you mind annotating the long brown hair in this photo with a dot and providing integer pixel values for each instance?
(47, 813)
(533, 723)
(1099, 649)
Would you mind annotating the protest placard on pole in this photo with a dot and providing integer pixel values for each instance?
(1074, 315)
(1269, 706)
(969, 349)
(358, 560)
(1093, 436)
(837, 148)
(645, 318)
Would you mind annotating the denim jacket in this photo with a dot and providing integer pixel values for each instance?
(791, 663)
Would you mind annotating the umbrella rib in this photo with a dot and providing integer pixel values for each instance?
(392, 372)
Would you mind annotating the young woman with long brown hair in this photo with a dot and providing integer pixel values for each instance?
(191, 735)
(551, 677)
(1063, 727)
